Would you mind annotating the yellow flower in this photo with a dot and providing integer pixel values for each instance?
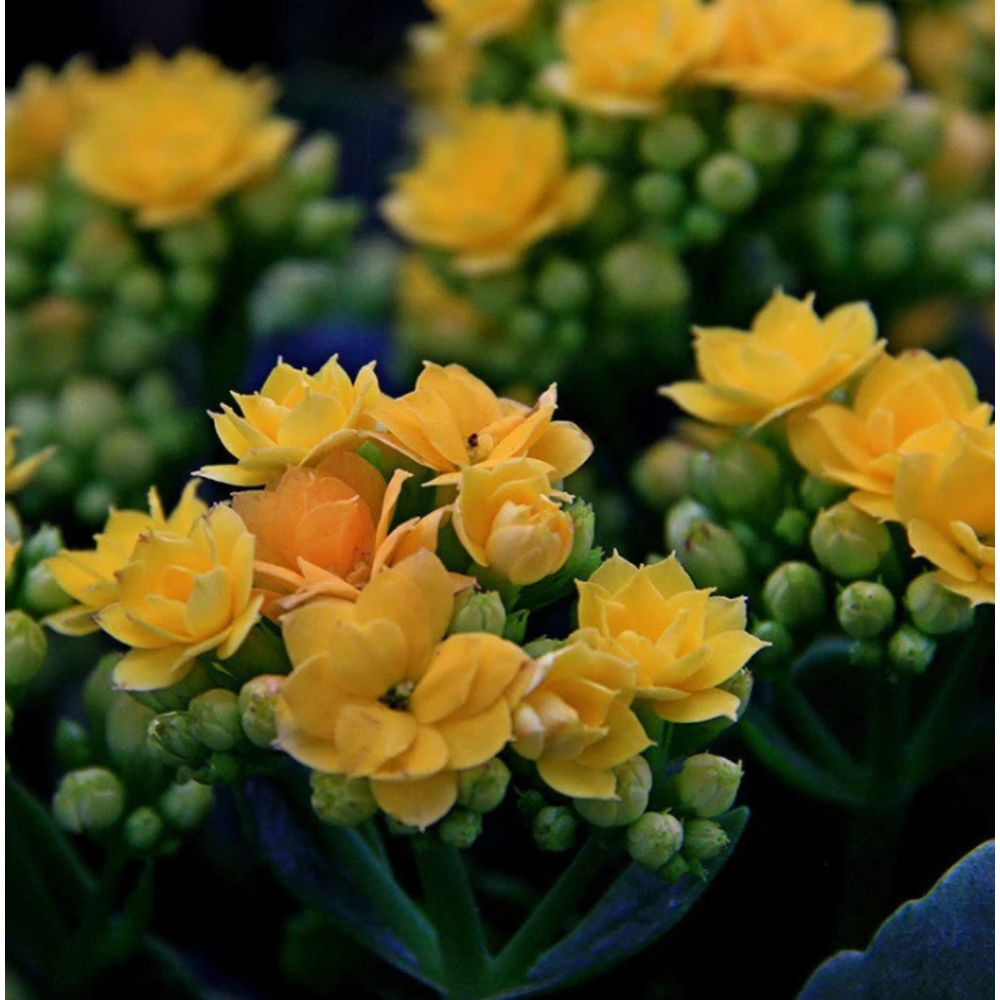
(440, 68)
(790, 357)
(169, 137)
(295, 419)
(946, 497)
(10, 551)
(181, 595)
(622, 55)
(378, 692)
(89, 576)
(860, 445)
(479, 20)
(17, 475)
(324, 532)
(939, 45)
(685, 642)
(576, 720)
(452, 421)
(507, 519)
(835, 52)
(968, 152)
(492, 186)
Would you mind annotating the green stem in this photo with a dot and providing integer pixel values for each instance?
(816, 734)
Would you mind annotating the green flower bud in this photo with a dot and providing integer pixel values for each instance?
(261, 652)
(703, 839)
(704, 225)
(980, 276)
(497, 295)
(126, 345)
(554, 829)
(102, 250)
(838, 141)
(887, 251)
(866, 653)
(746, 479)
(141, 289)
(528, 327)
(216, 719)
(816, 494)
(563, 285)
(257, 702)
(581, 514)
(46, 542)
(126, 726)
(24, 651)
(660, 475)
(179, 695)
(713, 558)
(880, 169)
(707, 785)
(88, 407)
(633, 780)
(478, 612)
(89, 800)
(93, 503)
(124, 458)
(765, 134)
(848, 543)
(266, 209)
(910, 651)
(72, 745)
(530, 804)
(193, 288)
(700, 477)
(324, 223)
(794, 595)
(778, 656)
(342, 801)
(673, 142)
(762, 553)
(936, 610)
(914, 127)
(792, 526)
(143, 829)
(600, 138)
(483, 788)
(98, 691)
(171, 739)
(40, 594)
(865, 610)
(186, 806)
(728, 183)
(654, 838)
(741, 685)
(676, 868)
(460, 828)
(26, 216)
(312, 166)
(67, 278)
(199, 241)
(221, 769)
(681, 518)
(644, 277)
(659, 195)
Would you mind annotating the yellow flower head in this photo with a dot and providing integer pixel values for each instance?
(324, 532)
(90, 576)
(789, 358)
(576, 721)
(295, 419)
(492, 186)
(378, 692)
(507, 519)
(622, 55)
(168, 137)
(835, 52)
(17, 475)
(181, 595)
(479, 20)
(860, 445)
(452, 421)
(946, 497)
(685, 642)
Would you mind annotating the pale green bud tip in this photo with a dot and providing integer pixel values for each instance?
(728, 183)
(745, 478)
(654, 839)
(673, 142)
(43, 544)
(714, 558)
(478, 612)
(257, 701)
(89, 800)
(865, 610)
(186, 806)
(910, 651)
(849, 543)
(764, 134)
(483, 788)
(582, 516)
(460, 828)
(215, 719)
(703, 839)
(24, 649)
(554, 828)
(633, 780)
(660, 195)
(936, 610)
(143, 829)
(342, 801)
(707, 785)
(794, 595)
(171, 738)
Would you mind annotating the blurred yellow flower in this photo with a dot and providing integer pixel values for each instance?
(789, 357)
(439, 70)
(860, 445)
(452, 421)
(835, 52)
(294, 419)
(17, 475)
(180, 596)
(479, 20)
(946, 497)
(576, 720)
(10, 551)
(968, 153)
(492, 186)
(378, 692)
(507, 519)
(622, 55)
(168, 137)
(90, 576)
(684, 642)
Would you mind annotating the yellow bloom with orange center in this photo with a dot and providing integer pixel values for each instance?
(17, 475)
(492, 186)
(576, 721)
(835, 52)
(480, 20)
(324, 532)
(169, 137)
(860, 445)
(294, 419)
(89, 576)
(684, 641)
(452, 420)
(182, 595)
(378, 692)
(508, 518)
(622, 55)
(788, 359)
(945, 496)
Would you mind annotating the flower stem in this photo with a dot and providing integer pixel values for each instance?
(816, 734)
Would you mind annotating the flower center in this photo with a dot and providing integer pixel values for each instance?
(398, 696)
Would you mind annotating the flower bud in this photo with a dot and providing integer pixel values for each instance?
(460, 828)
(765, 134)
(530, 803)
(40, 594)
(323, 223)
(707, 785)
(728, 183)
(171, 739)
(910, 651)
(186, 806)
(816, 494)
(794, 595)
(676, 868)
(672, 142)
(660, 475)
(261, 652)
(89, 800)
(914, 127)
(478, 612)
(659, 195)
(700, 477)
(703, 839)
(193, 289)
(681, 518)
(43, 544)
(312, 166)
(125, 345)
(704, 225)
(713, 558)
(866, 653)
(848, 543)
(342, 801)
(600, 138)
(483, 788)
(528, 327)
(26, 215)
(865, 610)
(654, 839)
(554, 829)
(746, 479)
(880, 169)
(216, 719)
(644, 277)
(98, 691)
(581, 515)
(24, 650)
(88, 407)
(143, 829)
(762, 553)
(936, 610)
(257, 701)
(72, 745)
(633, 780)
(141, 289)
(124, 458)
(792, 527)
(266, 209)
(21, 280)
(198, 241)
(563, 285)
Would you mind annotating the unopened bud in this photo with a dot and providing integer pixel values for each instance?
(98, 691)
(910, 651)
(704, 225)
(680, 518)
(676, 868)
(143, 829)
(141, 289)
(581, 515)
(765, 134)
(460, 828)
(40, 594)
(72, 745)
(879, 169)
(312, 166)
(728, 183)
(325, 223)
(563, 285)
(700, 477)
(554, 829)
(745, 479)
(198, 241)
(660, 476)
(713, 558)
(633, 780)
(186, 806)
(707, 785)
(483, 788)
(478, 612)
(935, 610)
(24, 651)
(865, 610)
(849, 543)
(703, 839)
(672, 142)
(915, 128)
(266, 209)
(26, 215)
(794, 595)
(644, 277)
(531, 803)
(172, 740)
(124, 457)
(866, 653)
(654, 838)
(816, 495)
(257, 701)
(87, 408)
(89, 800)
(342, 801)
(660, 195)
(792, 527)
(43, 544)
(215, 719)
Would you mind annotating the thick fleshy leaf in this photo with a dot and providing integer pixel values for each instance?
(940, 947)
